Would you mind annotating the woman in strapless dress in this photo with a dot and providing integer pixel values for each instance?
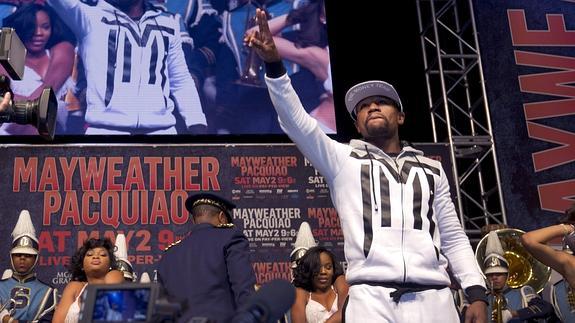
(317, 301)
(91, 264)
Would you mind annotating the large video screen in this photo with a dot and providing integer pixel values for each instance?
(173, 67)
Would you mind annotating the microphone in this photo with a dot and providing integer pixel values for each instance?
(268, 304)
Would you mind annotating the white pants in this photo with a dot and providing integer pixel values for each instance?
(368, 303)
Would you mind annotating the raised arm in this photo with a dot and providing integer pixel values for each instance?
(59, 68)
(314, 58)
(61, 65)
(298, 307)
(536, 243)
(341, 288)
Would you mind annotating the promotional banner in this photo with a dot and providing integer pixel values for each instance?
(76, 192)
(528, 57)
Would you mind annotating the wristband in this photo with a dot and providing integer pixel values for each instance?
(275, 69)
(566, 231)
(476, 293)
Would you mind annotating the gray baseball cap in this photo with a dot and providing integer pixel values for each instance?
(366, 89)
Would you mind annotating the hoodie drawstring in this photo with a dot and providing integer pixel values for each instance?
(372, 179)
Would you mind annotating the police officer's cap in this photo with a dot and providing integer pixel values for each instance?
(210, 199)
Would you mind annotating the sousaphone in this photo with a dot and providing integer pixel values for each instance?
(524, 269)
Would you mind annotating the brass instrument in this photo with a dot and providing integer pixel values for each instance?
(253, 64)
(524, 269)
(9, 304)
(499, 304)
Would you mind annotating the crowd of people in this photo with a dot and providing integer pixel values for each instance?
(405, 248)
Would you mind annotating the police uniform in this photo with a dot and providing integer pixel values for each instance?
(210, 268)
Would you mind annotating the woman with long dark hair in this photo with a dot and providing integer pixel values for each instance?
(49, 59)
(316, 298)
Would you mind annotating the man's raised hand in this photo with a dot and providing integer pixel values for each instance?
(262, 40)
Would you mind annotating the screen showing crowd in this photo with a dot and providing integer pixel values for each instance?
(173, 67)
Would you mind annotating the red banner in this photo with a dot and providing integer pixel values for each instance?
(529, 74)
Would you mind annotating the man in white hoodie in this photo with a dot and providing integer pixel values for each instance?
(135, 67)
(399, 222)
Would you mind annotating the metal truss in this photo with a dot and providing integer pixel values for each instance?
(459, 109)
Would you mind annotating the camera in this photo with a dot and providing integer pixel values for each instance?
(127, 302)
(41, 112)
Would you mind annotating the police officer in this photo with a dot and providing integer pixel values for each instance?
(209, 269)
(23, 297)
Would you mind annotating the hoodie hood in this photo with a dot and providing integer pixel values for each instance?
(359, 147)
(149, 9)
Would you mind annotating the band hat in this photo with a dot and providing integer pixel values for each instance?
(304, 240)
(495, 264)
(24, 239)
(123, 264)
(366, 89)
(494, 261)
(213, 200)
(145, 278)
(121, 249)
